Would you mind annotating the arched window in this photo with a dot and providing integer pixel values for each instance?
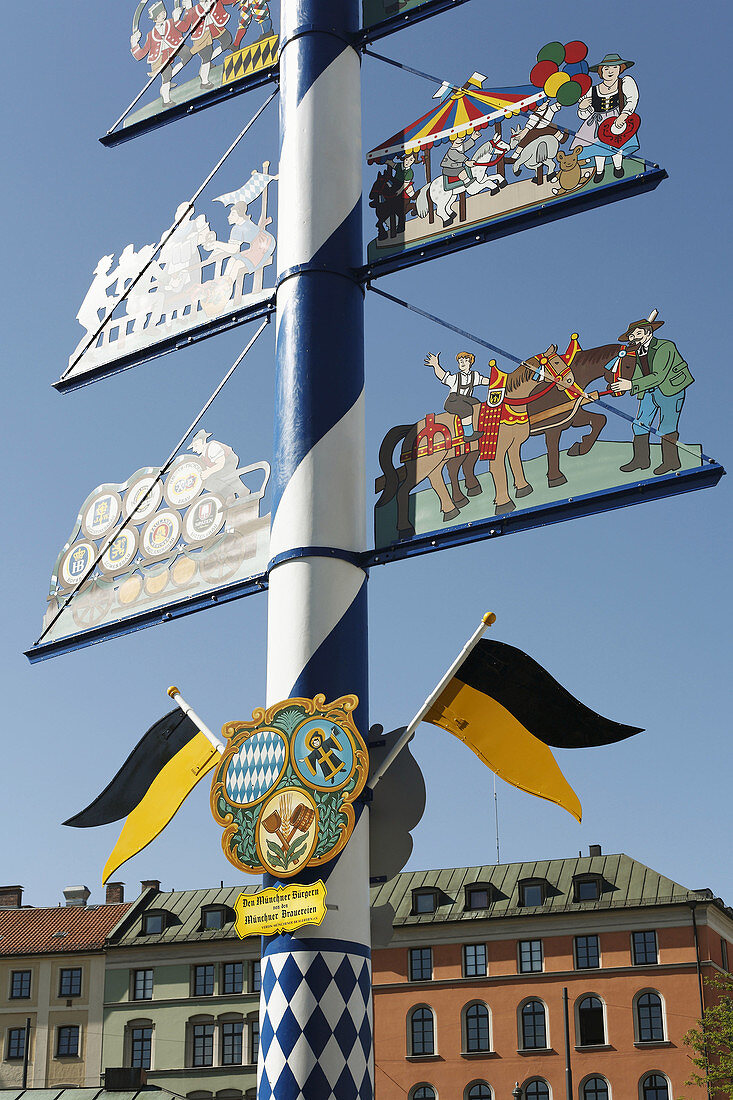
(649, 1018)
(422, 1032)
(537, 1089)
(423, 1092)
(534, 1028)
(591, 1024)
(655, 1087)
(139, 1043)
(479, 1090)
(476, 1028)
(595, 1088)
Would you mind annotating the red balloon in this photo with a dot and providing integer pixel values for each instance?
(575, 52)
(585, 82)
(541, 71)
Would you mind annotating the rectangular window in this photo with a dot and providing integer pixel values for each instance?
(203, 1044)
(233, 977)
(153, 924)
(477, 897)
(474, 960)
(254, 1041)
(213, 919)
(20, 984)
(531, 893)
(586, 889)
(587, 952)
(67, 1041)
(16, 1044)
(424, 901)
(142, 985)
(203, 980)
(421, 964)
(70, 982)
(141, 1044)
(530, 956)
(231, 1043)
(724, 953)
(256, 976)
(644, 948)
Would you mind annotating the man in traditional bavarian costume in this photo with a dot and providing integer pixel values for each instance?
(161, 43)
(661, 377)
(220, 464)
(460, 401)
(208, 18)
(260, 9)
(456, 166)
(616, 97)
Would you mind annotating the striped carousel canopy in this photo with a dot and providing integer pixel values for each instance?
(461, 111)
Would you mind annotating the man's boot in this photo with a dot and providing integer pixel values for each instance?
(265, 29)
(670, 454)
(641, 459)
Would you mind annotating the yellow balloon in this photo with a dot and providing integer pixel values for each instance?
(554, 82)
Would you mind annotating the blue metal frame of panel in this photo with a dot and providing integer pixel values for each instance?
(515, 223)
(190, 107)
(165, 346)
(606, 500)
(397, 22)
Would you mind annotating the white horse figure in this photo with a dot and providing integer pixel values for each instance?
(483, 180)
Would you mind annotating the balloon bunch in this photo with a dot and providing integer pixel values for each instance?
(566, 84)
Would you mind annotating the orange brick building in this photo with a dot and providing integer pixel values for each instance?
(469, 997)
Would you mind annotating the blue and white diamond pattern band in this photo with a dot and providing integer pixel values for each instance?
(256, 767)
(316, 1034)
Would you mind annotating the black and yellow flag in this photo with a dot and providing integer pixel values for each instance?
(150, 787)
(509, 711)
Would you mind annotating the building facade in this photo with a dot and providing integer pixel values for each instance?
(52, 966)
(469, 998)
(182, 992)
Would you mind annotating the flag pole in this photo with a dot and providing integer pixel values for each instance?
(213, 740)
(488, 620)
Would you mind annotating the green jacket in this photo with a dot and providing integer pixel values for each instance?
(668, 370)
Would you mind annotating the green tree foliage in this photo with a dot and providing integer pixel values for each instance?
(712, 1042)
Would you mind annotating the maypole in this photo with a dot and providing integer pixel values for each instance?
(315, 1021)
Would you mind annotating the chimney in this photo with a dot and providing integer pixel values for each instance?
(151, 884)
(76, 896)
(115, 893)
(595, 850)
(11, 897)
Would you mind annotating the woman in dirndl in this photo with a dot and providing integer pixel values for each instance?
(616, 96)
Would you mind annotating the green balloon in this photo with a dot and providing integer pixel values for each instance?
(569, 93)
(553, 51)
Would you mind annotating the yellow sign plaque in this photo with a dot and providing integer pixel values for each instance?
(280, 909)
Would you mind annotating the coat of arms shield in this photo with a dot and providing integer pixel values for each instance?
(286, 784)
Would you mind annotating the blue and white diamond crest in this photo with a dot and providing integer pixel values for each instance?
(256, 768)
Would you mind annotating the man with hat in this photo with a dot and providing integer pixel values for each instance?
(660, 379)
(616, 97)
(163, 40)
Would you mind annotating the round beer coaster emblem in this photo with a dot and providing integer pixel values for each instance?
(101, 515)
(184, 484)
(204, 518)
(161, 534)
(76, 562)
(135, 494)
(121, 552)
(285, 787)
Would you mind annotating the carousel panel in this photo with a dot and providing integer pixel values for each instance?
(176, 541)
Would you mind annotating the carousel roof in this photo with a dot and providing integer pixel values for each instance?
(461, 111)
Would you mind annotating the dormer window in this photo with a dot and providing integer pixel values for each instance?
(532, 892)
(153, 923)
(586, 887)
(478, 896)
(424, 901)
(213, 918)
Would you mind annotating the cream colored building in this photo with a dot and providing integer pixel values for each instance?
(52, 968)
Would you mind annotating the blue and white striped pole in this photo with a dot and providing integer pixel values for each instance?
(315, 1014)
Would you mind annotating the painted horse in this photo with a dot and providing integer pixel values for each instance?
(424, 455)
(490, 154)
(552, 412)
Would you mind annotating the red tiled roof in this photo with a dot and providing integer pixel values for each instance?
(38, 931)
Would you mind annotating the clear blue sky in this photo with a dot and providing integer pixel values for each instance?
(630, 610)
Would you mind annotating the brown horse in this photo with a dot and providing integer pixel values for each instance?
(552, 413)
(399, 482)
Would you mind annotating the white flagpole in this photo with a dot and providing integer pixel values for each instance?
(178, 699)
(487, 621)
